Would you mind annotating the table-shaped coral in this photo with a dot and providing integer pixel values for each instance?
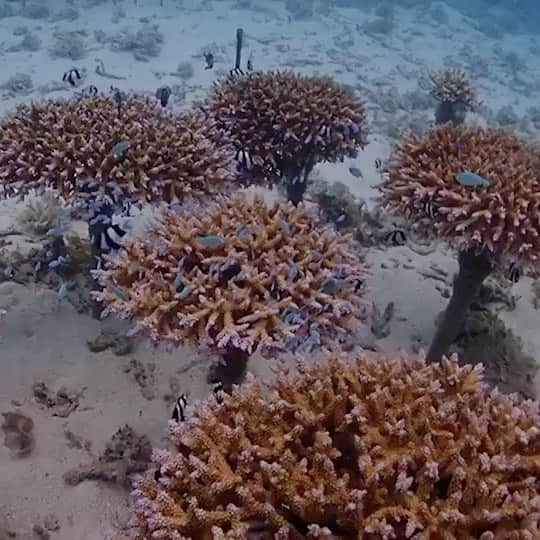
(349, 449)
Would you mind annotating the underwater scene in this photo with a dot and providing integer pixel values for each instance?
(269, 270)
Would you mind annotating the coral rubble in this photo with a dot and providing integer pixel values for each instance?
(70, 146)
(282, 124)
(351, 449)
(238, 274)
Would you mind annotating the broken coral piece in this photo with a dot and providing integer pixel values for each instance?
(283, 123)
(66, 145)
(348, 449)
(237, 275)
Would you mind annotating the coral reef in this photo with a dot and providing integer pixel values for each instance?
(496, 224)
(454, 93)
(238, 275)
(282, 124)
(70, 146)
(351, 449)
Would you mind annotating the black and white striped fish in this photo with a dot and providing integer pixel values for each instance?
(218, 391)
(72, 76)
(179, 410)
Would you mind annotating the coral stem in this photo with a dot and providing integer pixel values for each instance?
(474, 268)
(231, 369)
(296, 191)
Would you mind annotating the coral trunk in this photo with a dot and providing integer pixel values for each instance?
(474, 268)
(296, 191)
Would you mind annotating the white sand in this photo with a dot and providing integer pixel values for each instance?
(44, 339)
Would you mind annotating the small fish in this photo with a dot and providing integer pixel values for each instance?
(88, 91)
(57, 230)
(218, 391)
(62, 291)
(250, 62)
(471, 179)
(179, 409)
(119, 148)
(163, 93)
(331, 286)
(57, 262)
(118, 95)
(72, 76)
(428, 208)
(396, 237)
(378, 164)
(243, 233)
(341, 218)
(209, 59)
(356, 172)
(514, 273)
(211, 240)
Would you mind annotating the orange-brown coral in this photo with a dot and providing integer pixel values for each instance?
(238, 274)
(451, 85)
(66, 144)
(421, 182)
(284, 123)
(348, 450)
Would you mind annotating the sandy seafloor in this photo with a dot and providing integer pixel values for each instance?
(44, 339)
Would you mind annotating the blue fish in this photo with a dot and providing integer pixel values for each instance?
(470, 179)
(119, 148)
(211, 240)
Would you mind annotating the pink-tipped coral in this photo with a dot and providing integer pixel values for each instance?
(237, 275)
(282, 124)
(347, 450)
(132, 147)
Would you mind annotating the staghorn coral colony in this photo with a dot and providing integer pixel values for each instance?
(493, 223)
(282, 124)
(368, 448)
(101, 143)
(350, 448)
(237, 276)
(454, 93)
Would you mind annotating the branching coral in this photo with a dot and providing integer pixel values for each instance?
(454, 93)
(282, 123)
(497, 224)
(238, 275)
(73, 145)
(347, 450)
